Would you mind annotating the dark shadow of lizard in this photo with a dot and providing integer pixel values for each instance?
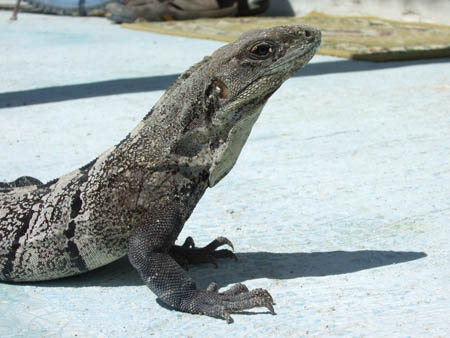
(161, 82)
(251, 265)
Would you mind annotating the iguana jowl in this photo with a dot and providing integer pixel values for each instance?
(136, 197)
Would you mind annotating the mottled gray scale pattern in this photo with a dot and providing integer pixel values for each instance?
(136, 197)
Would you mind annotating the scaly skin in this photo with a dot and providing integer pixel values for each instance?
(136, 197)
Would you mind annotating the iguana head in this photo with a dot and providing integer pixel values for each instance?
(244, 74)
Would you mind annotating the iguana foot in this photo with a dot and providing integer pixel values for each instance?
(173, 286)
(187, 253)
(238, 298)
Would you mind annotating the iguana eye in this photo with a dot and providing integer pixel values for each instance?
(262, 50)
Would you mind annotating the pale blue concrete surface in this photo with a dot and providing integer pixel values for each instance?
(339, 204)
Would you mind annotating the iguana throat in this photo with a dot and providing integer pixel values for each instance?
(266, 75)
(228, 152)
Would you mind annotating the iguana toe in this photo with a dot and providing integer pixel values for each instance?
(187, 254)
(236, 299)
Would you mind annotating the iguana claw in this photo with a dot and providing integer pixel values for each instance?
(188, 254)
(243, 300)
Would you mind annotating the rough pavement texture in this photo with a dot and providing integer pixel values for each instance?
(339, 204)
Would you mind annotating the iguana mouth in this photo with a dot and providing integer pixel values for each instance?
(302, 55)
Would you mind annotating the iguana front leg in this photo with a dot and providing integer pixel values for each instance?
(149, 253)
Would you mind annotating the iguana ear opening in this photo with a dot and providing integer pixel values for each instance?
(220, 89)
(216, 90)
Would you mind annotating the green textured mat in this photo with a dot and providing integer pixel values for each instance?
(362, 38)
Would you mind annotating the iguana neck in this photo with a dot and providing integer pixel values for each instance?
(162, 158)
(177, 130)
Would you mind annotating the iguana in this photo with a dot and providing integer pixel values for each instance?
(135, 198)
